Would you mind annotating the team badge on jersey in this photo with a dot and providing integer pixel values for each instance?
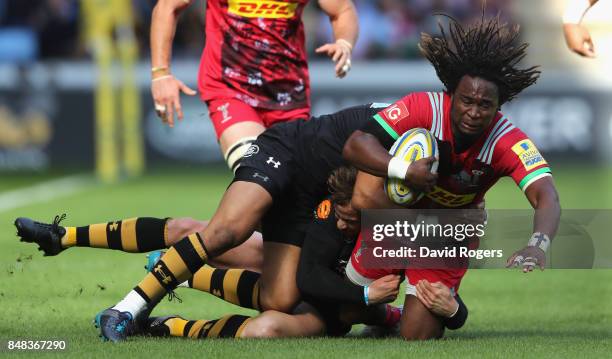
(262, 9)
(396, 112)
(528, 154)
(324, 209)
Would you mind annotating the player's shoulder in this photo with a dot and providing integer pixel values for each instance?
(504, 137)
(426, 98)
(509, 134)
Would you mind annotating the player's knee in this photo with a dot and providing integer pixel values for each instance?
(282, 302)
(222, 237)
(413, 333)
(178, 228)
(234, 153)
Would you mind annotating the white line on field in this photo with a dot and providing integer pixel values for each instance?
(45, 191)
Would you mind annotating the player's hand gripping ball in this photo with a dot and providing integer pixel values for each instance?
(413, 145)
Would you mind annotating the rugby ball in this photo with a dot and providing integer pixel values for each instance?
(411, 146)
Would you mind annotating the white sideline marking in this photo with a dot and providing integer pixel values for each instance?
(45, 191)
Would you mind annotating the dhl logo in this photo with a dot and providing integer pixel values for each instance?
(262, 8)
(448, 199)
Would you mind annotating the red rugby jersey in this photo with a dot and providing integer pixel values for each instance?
(255, 52)
(501, 150)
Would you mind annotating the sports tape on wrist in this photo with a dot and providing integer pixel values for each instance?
(539, 240)
(397, 168)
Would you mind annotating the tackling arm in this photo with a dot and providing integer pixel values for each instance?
(315, 276)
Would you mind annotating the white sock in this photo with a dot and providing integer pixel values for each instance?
(184, 284)
(132, 303)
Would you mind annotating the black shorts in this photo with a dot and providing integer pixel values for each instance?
(270, 162)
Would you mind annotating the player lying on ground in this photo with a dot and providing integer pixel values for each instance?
(478, 145)
(332, 304)
(327, 246)
(239, 77)
(279, 183)
(318, 314)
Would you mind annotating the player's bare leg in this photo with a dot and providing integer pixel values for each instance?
(237, 139)
(248, 255)
(238, 214)
(304, 322)
(278, 288)
(417, 322)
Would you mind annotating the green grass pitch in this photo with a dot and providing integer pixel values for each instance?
(556, 313)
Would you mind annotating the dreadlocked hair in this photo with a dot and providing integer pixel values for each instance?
(486, 49)
(340, 184)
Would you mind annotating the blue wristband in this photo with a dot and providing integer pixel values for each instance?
(366, 292)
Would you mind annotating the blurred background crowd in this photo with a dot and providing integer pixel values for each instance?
(32, 30)
(65, 63)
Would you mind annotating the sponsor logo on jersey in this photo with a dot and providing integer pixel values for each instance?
(324, 209)
(448, 199)
(262, 9)
(528, 154)
(395, 113)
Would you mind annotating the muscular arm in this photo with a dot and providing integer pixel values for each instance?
(364, 151)
(315, 276)
(163, 26)
(343, 17)
(544, 198)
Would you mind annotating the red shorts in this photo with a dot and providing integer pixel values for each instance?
(227, 112)
(359, 275)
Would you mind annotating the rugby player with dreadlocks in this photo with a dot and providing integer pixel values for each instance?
(478, 66)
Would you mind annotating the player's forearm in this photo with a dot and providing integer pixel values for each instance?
(163, 27)
(318, 281)
(364, 151)
(345, 24)
(547, 216)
